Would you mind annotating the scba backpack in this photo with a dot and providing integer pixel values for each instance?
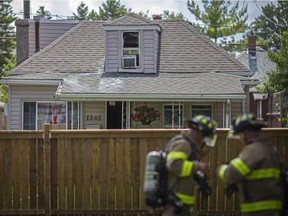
(155, 179)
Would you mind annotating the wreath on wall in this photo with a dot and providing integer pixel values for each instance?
(144, 114)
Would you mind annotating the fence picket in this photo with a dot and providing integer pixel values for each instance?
(98, 171)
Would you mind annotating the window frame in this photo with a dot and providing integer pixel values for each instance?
(191, 109)
(73, 123)
(138, 60)
(179, 125)
(30, 114)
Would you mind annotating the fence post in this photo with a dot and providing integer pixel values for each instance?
(47, 174)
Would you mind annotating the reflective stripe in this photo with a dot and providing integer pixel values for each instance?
(240, 166)
(264, 173)
(186, 199)
(176, 154)
(187, 168)
(222, 170)
(261, 205)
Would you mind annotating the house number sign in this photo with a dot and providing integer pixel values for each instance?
(94, 117)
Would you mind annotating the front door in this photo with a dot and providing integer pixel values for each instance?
(114, 115)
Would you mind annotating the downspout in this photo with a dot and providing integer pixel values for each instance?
(173, 114)
(243, 106)
(260, 109)
(228, 113)
(179, 116)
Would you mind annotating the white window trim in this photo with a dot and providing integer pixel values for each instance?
(137, 68)
(173, 105)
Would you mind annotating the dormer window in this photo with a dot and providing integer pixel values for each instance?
(131, 51)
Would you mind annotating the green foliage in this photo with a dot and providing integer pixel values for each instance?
(171, 15)
(43, 14)
(7, 43)
(277, 80)
(220, 18)
(82, 12)
(111, 9)
(269, 25)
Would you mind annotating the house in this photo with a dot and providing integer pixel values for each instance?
(97, 73)
(264, 105)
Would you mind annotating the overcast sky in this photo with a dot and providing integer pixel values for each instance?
(64, 8)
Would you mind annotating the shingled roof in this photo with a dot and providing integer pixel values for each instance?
(184, 53)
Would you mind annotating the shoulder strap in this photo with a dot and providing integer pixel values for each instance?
(194, 152)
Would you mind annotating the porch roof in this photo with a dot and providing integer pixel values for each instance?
(123, 86)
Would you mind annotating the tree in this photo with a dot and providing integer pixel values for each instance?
(82, 12)
(171, 15)
(277, 80)
(112, 9)
(7, 42)
(43, 14)
(220, 18)
(269, 25)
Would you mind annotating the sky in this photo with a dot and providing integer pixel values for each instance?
(64, 8)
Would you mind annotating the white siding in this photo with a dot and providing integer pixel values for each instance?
(150, 40)
(49, 31)
(112, 51)
(95, 110)
(26, 94)
(149, 45)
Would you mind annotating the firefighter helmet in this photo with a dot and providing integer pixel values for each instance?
(204, 124)
(246, 121)
(207, 126)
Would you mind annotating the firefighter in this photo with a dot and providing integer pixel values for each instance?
(183, 154)
(256, 170)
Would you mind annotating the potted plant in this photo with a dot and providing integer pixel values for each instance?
(145, 114)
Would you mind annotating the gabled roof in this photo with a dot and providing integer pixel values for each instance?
(189, 64)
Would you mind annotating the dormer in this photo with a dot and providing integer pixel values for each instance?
(131, 45)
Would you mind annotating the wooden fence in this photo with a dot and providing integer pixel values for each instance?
(99, 172)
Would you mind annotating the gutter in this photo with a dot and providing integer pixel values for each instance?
(250, 83)
(30, 82)
(152, 97)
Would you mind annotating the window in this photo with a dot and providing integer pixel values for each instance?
(29, 116)
(173, 116)
(73, 115)
(130, 50)
(201, 110)
(53, 113)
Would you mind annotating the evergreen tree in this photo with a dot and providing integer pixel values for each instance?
(269, 25)
(82, 12)
(112, 9)
(7, 42)
(43, 14)
(171, 15)
(277, 80)
(220, 18)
